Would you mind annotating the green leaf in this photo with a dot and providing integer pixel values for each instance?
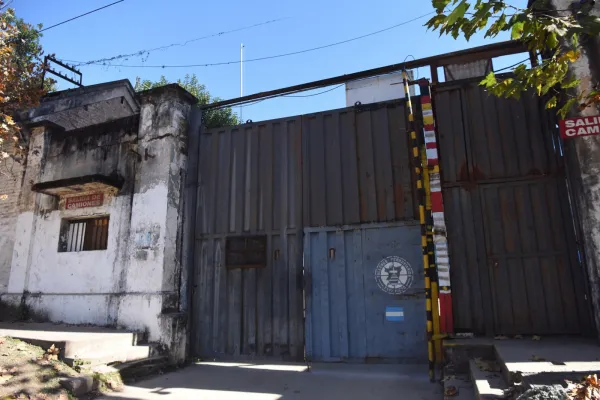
(570, 84)
(435, 22)
(517, 30)
(457, 13)
(440, 5)
(552, 40)
(551, 103)
(564, 110)
(489, 80)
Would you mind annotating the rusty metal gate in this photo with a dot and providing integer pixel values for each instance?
(515, 266)
(261, 187)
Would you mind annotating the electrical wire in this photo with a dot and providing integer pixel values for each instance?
(315, 94)
(82, 15)
(274, 56)
(252, 102)
(511, 66)
(145, 52)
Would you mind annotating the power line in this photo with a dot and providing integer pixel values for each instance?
(145, 52)
(274, 56)
(314, 94)
(82, 15)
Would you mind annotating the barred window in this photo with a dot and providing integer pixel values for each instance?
(84, 234)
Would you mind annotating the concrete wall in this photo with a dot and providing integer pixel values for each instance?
(583, 159)
(11, 176)
(135, 282)
(74, 287)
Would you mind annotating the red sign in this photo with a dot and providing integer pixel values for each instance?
(88, 200)
(580, 126)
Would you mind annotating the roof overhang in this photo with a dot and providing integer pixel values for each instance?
(81, 184)
(85, 106)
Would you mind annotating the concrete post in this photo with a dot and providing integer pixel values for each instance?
(153, 277)
(583, 161)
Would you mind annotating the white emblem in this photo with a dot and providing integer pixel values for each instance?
(394, 275)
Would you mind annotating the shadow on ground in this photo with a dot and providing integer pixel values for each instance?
(254, 381)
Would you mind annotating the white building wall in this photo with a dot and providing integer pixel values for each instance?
(134, 283)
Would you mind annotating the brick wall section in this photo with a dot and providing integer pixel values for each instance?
(11, 174)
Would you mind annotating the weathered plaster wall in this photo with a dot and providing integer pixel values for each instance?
(135, 282)
(11, 176)
(583, 161)
(75, 287)
(156, 221)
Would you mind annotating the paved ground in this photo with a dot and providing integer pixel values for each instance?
(250, 381)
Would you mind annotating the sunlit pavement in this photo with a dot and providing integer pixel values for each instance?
(253, 381)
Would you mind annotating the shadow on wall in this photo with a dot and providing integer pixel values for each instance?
(19, 313)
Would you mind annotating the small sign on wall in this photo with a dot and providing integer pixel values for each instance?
(88, 200)
(394, 314)
(580, 126)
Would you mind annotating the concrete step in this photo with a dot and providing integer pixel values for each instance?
(548, 361)
(487, 380)
(458, 352)
(73, 341)
(110, 355)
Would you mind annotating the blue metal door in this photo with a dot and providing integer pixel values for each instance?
(365, 297)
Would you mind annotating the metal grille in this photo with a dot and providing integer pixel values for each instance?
(87, 234)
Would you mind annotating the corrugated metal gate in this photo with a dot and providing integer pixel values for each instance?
(359, 224)
(514, 260)
(250, 186)
(261, 187)
(350, 314)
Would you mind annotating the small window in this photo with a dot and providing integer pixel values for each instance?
(246, 252)
(84, 234)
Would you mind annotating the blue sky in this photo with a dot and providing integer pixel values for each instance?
(140, 24)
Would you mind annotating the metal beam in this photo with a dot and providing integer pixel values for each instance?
(457, 57)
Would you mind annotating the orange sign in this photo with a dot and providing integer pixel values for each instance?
(88, 200)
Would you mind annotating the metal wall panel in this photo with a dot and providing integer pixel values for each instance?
(357, 166)
(249, 183)
(346, 307)
(503, 138)
(515, 268)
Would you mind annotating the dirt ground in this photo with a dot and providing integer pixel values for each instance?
(27, 373)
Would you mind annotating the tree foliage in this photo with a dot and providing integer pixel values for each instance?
(553, 34)
(20, 79)
(212, 118)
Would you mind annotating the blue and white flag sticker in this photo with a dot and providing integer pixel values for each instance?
(394, 314)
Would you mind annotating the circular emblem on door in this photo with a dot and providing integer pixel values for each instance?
(394, 275)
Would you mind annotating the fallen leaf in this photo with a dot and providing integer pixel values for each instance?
(2, 340)
(488, 366)
(535, 337)
(536, 358)
(450, 391)
(500, 337)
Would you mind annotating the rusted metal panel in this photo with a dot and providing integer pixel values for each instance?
(250, 312)
(528, 254)
(511, 238)
(250, 184)
(356, 166)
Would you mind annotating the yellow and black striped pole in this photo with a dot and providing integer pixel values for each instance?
(423, 221)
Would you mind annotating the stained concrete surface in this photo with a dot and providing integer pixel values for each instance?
(549, 360)
(254, 381)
